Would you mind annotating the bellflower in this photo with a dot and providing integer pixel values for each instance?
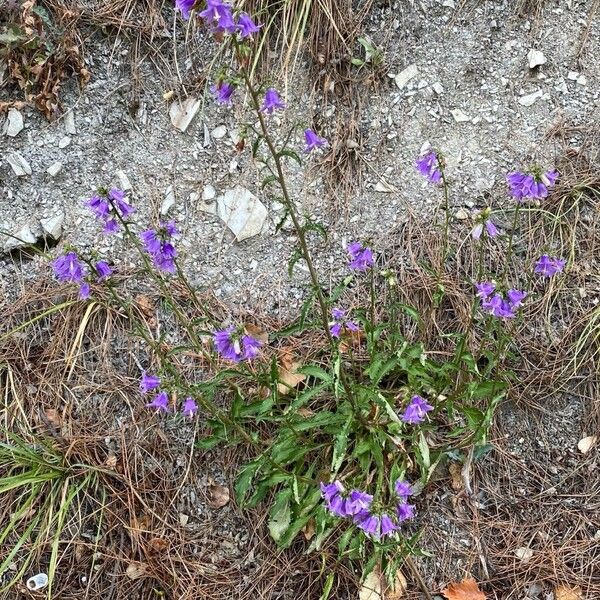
(158, 245)
(189, 407)
(272, 102)
(313, 141)
(548, 266)
(219, 11)
(485, 289)
(84, 290)
(429, 166)
(232, 345)
(416, 410)
(388, 527)
(340, 323)
(185, 7)
(531, 185)
(357, 501)
(160, 402)
(498, 307)
(335, 502)
(403, 490)
(361, 258)
(103, 270)
(405, 511)
(490, 227)
(148, 382)
(369, 523)
(108, 206)
(68, 267)
(515, 298)
(223, 91)
(246, 26)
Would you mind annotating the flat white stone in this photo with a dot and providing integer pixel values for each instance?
(530, 99)
(69, 120)
(53, 226)
(459, 116)
(23, 237)
(183, 112)
(168, 201)
(242, 212)
(219, 132)
(209, 192)
(54, 169)
(14, 123)
(64, 142)
(406, 75)
(124, 182)
(18, 164)
(535, 58)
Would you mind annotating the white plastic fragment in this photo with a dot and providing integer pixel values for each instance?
(37, 582)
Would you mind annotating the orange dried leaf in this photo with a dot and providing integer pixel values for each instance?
(218, 495)
(456, 476)
(258, 333)
(565, 592)
(467, 589)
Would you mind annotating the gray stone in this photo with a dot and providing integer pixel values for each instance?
(18, 164)
(168, 201)
(183, 113)
(14, 123)
(69, 120)
(23, 237)
(459, 116)
(53, 226)
(406, 75)
(54, 169)
(209, 192)
(219, 132)
(242, 212)
(64, 142)
(123, 180)
(535, 58)
(530, 99)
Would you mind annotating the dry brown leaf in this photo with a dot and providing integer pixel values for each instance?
(371, 588)
(587, 443)
(218, 495)
(53, 417)
(258, 333)
(305, 412)
(111, 461)
(309, 530)
(524, 554)
(565, 592)
(400, 586)
(467, 589)
(289, 377)
(136, 570)
(158, 545)
(456, 479)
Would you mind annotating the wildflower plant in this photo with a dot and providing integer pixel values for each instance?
(348, 449)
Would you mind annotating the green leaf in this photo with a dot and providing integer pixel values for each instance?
(424, 452)
(256, 145)
(268, 180)
(280, 515)
(316, 227)
(316, 372)
(244, 480)
(341, 444)
(327, 587)
(12, 35)
(358, 62)
(290, 154)
(296, 256)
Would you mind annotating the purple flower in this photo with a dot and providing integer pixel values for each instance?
(490, 227)
(109, 206)
(222, 91)
(185, 7)
(548, 266)
(157, 244)
(246, 26)
(68, 267)
(498, 307)
(84, 290)
(329, 490)
(217, 10)
(405, 511)
(189, 407)
(388, 527)
(360, 258)
(313, 141)
(369, 523)
(403, 490)
(357, 501)
(515, 298)
(103, 270)
(235, 347)
(148, 383)
(485, 289)
(340, 323)
(150, 240)
(530, 186)
(160, 402)
(98, 206)
(429, 166)
(272, 102)
(416, 410)
(118, 199)
(111, 226)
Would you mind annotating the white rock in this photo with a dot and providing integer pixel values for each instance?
(384, 188)
(206, 141)
(69, 119)
(460, 116)
(182, 113)
(582, 80)
(124, 182)
(168, 201)
(572, 75)
(14, 123)
(53, 226)
(449, 3)
(19, 165)
(219, 132)
(242, 212)
(23, 237)
(438, 88)
(406, 75)
(54, 169)
(530, 99)
(461, 214)
(209, 192)
(64, 142)
(535, 58)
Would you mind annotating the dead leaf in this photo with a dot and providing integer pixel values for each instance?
(371, 587)
(456, 479)
(565, 592)
(309, 530)
(158, 545)
(289, 377)
(146, 306)
(587, 443)
(467, 589)
(136, 570)
(111, 461)
(218, 495)
(399, 589)
(53, 417)
(306, 412)
(258, 333)
(524, 554)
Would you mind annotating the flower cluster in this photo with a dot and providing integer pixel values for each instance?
(69, 267)
(110, 206)
(416, 410)
(429, 166)
(549, 266)
(219, 16)
(483, 221)
(272, 102)
(160, 402)
(359, 506)
(340, 323)
(222, 91)
(532, 185)
(236, 345)
(361, 258)
(313, 141)
(496, 304)
(157, 243)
